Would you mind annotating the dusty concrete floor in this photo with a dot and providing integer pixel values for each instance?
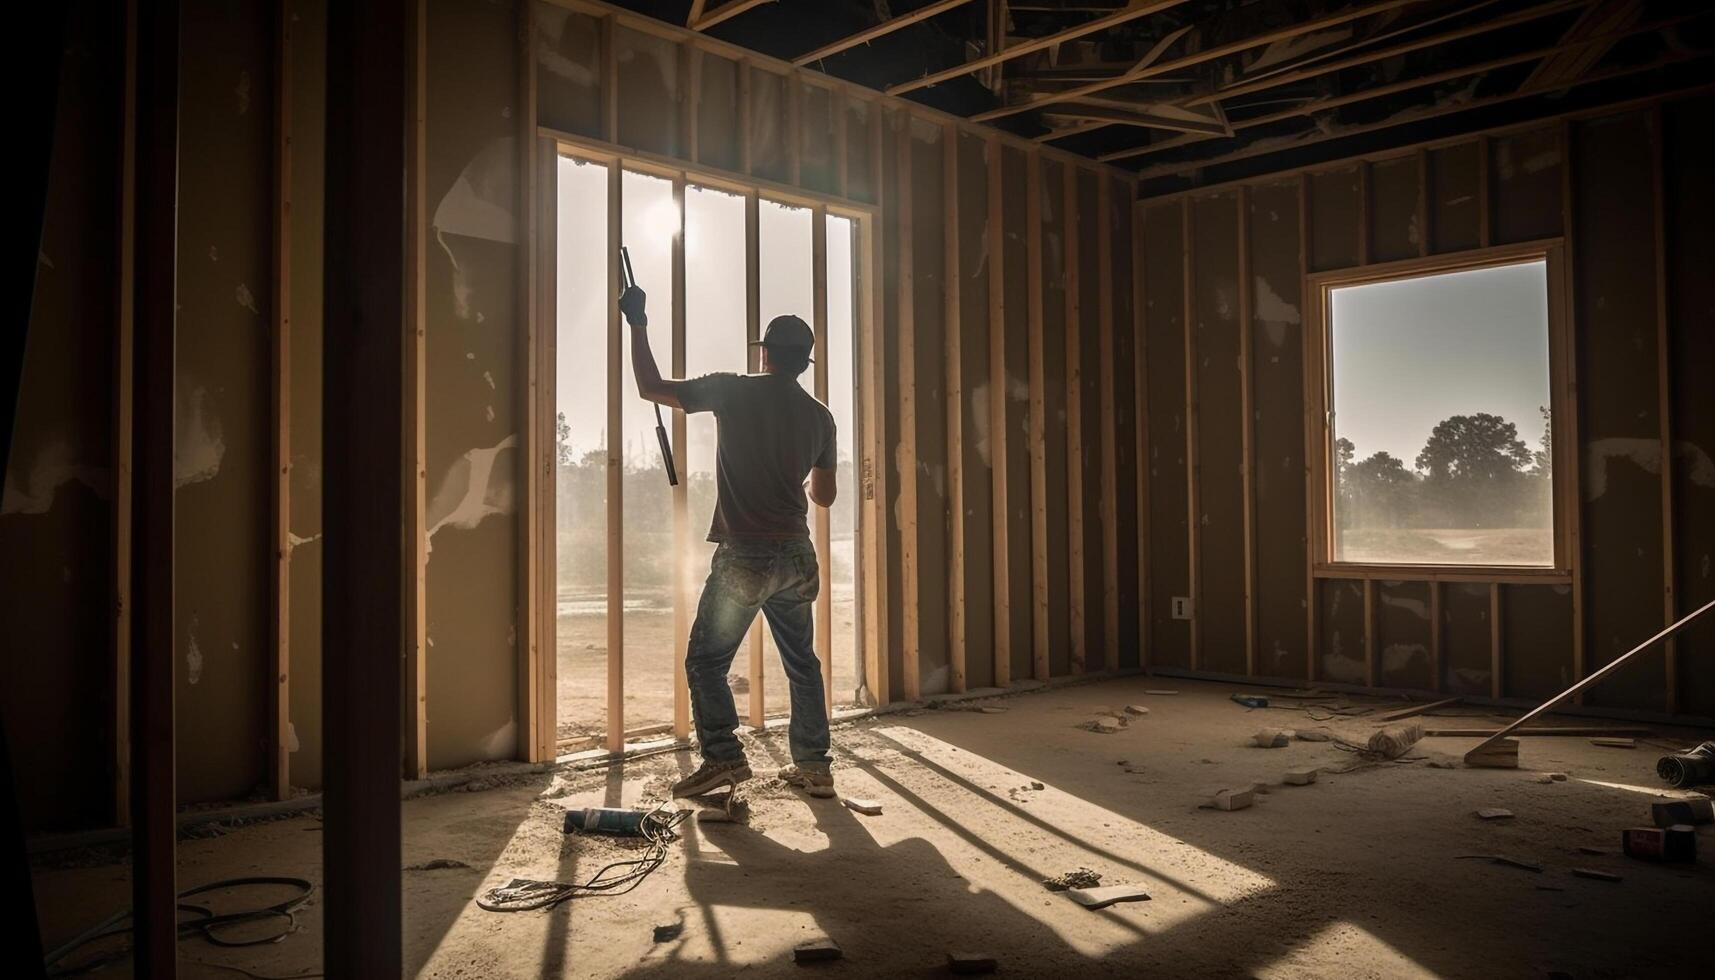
(1356, 876)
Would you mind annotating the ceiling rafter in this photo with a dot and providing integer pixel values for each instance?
(1379, 91)
(725, 12)
(1141, 9)
(882, 29)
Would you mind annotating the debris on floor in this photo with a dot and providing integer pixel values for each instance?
(1503, 860)
(1162, 693)
(1595, 874)
(1101, 898)
(1106, 725)
(1615, 743)
(1076, 878)
(1303, 776)
(1271, 738)
(1314, 736)
(1676, 844)
(869, 808)
(1683, 812)
(968, 964)
(437, 864)
(1552, 777)
(1688, 768)
(669, 932)
(1391, 743)
(1251, 700)
(1496, 755)
(1495, 813)
(1136, 709)
(1231, 799)
(821, 950)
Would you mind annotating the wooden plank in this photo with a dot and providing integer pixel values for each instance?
(1248, 433)
(1110, 436)
(1038, 44)
(156, 122)
(1435, 642)
(1567, 473)
(547, 572)
(1413, 711)
(1038, 426)
(1140, 395)
(414, 452)
(1192, 522)
(615, 473)
(682, 599)
(728, 10)
(279, 771)
(753, 333)
(999, 436)
(1583, 731)
(882, 29)
(1425, 234)
(911, 682)
(1664, 391)
(1364, 208)
(123, 393)
(824, 527)
(364, 581)
(1495, 640)
(952, 358)
(1369, 633)
(1315, 490)
(876, 566)
(609, 81)
(528, 638)
(1079, 599)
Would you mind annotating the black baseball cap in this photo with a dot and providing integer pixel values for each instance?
(788, 332)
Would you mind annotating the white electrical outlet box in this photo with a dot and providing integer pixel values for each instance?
(1181, 607)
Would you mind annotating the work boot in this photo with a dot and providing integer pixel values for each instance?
(816, 782)
(712, 776)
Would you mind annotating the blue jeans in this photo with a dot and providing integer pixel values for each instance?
(779, 578)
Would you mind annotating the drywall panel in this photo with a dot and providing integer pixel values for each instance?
(568, 70)
(888, 351)
(816, 142)
(1336, 208)
(1090, 461)
(1526, 183)
(769, 136)
(56, 511)
(1690, 159)
(1125, 529)
(929, 312)
(471, 290)
(308, 95)
(1536, 641)
(860, 176)
(1219, 413)
(1162, 265)
(1277, 410)
(1396, 208)
(1465, 639)
(1015, 266)
(1614, 286)
(1455, 198)
(1054, 328)
(1343, 656)
(720, 136)
(648, 70)
(973, 455)
(1402, 621)
(222, 470)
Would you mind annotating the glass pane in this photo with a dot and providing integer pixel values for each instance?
(715, 310)
(785, 250)
(1440, 426)
(648, 225)
(842, 382)
(580, 467)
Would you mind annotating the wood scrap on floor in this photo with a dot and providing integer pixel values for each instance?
(1494, 755)
(1575, 730)
(1415, 710)
(1101, 898)
(1615, 743)
(820, 950)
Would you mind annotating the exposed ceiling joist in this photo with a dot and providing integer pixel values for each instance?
(727, 11)
(882, 29)
(1376, 92)
(1601, 19)
(1150, 117)
(1143, 9)
(1161, 68)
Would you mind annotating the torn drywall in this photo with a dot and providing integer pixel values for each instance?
(479, 485)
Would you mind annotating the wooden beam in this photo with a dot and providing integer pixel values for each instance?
(1248, 432)
(1140, 395)
(753, 333)
(123, 395)
(154, 310)
(952, 363)
(615, 472)
(279, 767)
(547, 385)
(1188, 260)
(1109, 526)
(877, 565)
(1567, 467)
(1039, 44)
(1369, 633)
(1495, 658)
(1074, 463)
(536, 444)
(824, 526)
(1038, 422)
(1485, 196)
(681, 584)
(364, 582)
(1314, 486)
(882, 29)
(1153, 69)
(609, 84)
(1435, 642)
(696, 13)
(414, 448)
(1664, 390)
(999, 434)
(911, 682)
(723, 13)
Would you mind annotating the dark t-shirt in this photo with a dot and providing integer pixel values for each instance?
(771, 432)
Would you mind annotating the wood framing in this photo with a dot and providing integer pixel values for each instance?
(1369, 632)
(1313, 353)
(874, 512)
(1078, 601)
(951, 356)
(726, 11)
(414, 449)
(912, 680)
(615, 460)
(1038, 425)
(882, 29)
(279, 771)
(1188, 251)
(823, 524)
(1664, 392)
(1247, 434)
(1435, 644)
(1495, 634)
(1110, 442)
(682, 601)
(1140, 395)
(999, 436)
(752, 334)
(1568, 473)
(530, 642)
(124, 392)
(547, 160)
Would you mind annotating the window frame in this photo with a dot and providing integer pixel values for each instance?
(1319, 429)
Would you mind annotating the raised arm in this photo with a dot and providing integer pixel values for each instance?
(650, 385)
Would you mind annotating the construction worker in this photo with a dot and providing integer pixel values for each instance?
(771, 435)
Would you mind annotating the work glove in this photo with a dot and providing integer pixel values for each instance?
(631, 304)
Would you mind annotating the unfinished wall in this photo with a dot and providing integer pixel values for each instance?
(1619, 187)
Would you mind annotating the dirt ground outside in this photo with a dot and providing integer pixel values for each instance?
(1365, 874)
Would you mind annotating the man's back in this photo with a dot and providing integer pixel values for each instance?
(771, 434)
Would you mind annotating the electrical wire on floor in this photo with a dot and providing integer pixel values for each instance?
(216, 928)
(659, 828)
